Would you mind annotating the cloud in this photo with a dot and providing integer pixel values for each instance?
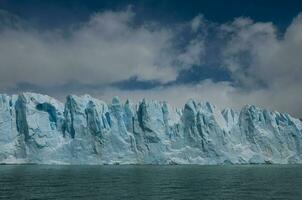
(265, 67)
(268, 65)
(111, 49)
(108, 48)
(193, 54)
(197, 22)
(177, 95)
(222, 94)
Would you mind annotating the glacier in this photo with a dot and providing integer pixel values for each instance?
(36, 128)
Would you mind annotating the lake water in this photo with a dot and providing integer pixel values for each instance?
(151, 182)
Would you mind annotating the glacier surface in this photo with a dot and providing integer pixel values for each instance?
(36, 128)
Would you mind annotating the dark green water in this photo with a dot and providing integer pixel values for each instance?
(150, 182)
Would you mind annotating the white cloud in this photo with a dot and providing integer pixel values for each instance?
(197, 22)
(107, 48)
(177, 95)
(221, 94)
(265, 67)
(256, 56)
(247, 43)
(255, 53)
(193, 54)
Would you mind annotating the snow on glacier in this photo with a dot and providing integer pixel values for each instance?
(36, 128)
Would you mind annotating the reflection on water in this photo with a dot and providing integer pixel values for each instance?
(150, 182)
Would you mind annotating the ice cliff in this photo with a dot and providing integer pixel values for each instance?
(36, 128)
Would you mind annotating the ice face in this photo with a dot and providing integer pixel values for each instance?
(36, 128)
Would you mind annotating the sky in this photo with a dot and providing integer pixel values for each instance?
(230, 53)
